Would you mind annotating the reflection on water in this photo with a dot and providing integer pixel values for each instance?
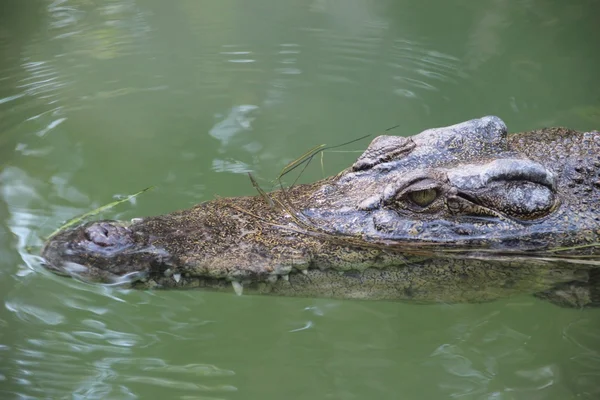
(101, 98)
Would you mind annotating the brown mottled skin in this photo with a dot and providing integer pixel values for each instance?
(461, 213)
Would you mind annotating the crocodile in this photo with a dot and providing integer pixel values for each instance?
(463, 213)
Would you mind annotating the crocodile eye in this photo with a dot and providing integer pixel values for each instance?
(423, 197)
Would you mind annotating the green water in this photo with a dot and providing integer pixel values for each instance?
(99, 99)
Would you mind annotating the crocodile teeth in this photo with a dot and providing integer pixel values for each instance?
(285, 277)
(237, 287)
(177, 277)
(272, 278)
(305, 271)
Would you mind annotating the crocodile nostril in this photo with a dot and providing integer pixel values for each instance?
(106, 234)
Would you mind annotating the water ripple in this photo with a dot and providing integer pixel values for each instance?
(234, 166)
(179, 384)
(32, 314)
(412, 68)
(11, 98)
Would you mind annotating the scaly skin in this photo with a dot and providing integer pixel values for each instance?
(461, 213)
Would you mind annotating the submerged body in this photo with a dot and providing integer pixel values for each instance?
(461, 213)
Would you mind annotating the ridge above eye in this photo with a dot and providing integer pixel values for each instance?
(477, 176)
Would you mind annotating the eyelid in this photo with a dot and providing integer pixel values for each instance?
(420, 185)
(423, 184)
(418, 181)
(423, 198)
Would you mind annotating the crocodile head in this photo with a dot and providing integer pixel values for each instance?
(466, 185)
(462, 192)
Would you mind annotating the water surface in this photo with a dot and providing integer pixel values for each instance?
(99, 99)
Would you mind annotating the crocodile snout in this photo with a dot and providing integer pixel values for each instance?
(103, 251)
(92, 241)
(108, 235)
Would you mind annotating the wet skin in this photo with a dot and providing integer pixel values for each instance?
(460, 213)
